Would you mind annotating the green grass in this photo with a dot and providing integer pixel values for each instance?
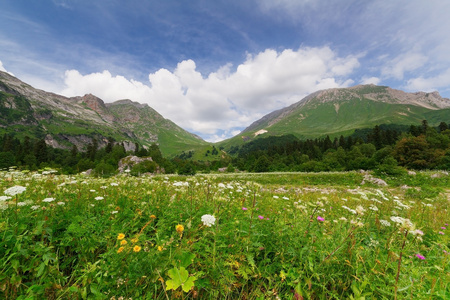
(276, 236)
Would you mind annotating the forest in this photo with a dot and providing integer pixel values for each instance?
(384, 148)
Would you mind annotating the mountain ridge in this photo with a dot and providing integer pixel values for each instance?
(76, 120)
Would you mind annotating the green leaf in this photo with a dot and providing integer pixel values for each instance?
(186, 259)
(188, 284)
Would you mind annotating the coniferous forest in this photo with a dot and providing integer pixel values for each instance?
(385, 148)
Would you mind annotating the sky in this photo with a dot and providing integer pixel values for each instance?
(214, 67)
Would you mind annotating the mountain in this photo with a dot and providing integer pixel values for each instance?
(340, 111)
(64, 121)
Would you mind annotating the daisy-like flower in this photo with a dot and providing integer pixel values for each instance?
(123, 242)
(121, 236)
(134, 240)
(137, 248)
(15, 190)
(208, 220)
(179, 228)
(120, 249)
(160, 248)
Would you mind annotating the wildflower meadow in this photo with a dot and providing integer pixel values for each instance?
(224, 236)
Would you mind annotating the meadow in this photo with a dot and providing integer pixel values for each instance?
(224, 236)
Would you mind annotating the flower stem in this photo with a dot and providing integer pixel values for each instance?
(399, 265)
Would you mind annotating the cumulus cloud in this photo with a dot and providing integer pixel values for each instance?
(220, 104)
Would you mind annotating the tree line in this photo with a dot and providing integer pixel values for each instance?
(388, 148)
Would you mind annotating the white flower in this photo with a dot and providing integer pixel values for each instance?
(114, 184)
(4, 198)
(275, 197)
(21, 203)
(405, 223)
(92, 191)
(360, 210)
(48, 200)
(114, 212)
(385, 223)
(35, 207)
(61, 203)
(208, 220)
(373, 207)
(15, 190)
(98, 198)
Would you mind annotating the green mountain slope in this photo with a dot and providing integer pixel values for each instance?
(63, 122)
(337, 112)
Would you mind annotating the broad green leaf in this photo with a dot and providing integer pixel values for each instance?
(188, 284)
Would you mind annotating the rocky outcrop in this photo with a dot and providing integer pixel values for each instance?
(128, 162)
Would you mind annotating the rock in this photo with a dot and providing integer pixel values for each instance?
(374, 180)
(131, 160)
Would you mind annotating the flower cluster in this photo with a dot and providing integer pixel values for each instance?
(208, 220)
(15, 190)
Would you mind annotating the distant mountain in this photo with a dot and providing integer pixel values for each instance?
(64, 122)
(340, 111)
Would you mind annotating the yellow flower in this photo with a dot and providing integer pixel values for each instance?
(121, 236)
(120, 249)
(123, 243)
(153, 217)
(136, 248)
(135, 240)
(179, 228)
(160, 248)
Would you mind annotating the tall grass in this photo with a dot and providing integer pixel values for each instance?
(275, 236)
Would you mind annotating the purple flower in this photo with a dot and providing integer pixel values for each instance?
(420, 256)
(319, 218)
(440, 232)
(244, 208)
(443, 228)
(260, 217)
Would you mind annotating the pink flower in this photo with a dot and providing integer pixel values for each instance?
(244, 208)
(443, 228)
(440, 232)
(260, 217)
(420, 256)
(319, 218)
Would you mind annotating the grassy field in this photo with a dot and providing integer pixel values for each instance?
(227, 236)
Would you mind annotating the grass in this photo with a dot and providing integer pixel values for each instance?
(275, 236)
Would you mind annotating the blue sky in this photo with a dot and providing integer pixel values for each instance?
(214, 67)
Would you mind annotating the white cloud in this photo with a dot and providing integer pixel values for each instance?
(429, 84)
(370, 80)
(228, 99)
(403, 63)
